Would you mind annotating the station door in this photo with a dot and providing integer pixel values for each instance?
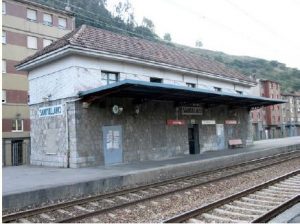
(193, 135)
(112, 144)
(17, 152)
(220, 136)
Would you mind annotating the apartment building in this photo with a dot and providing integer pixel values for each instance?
(26, 28)
(267, 121)
(291, 113)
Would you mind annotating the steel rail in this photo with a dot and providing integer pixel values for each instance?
(23, 214)
(278, 210)
(98, 212)
(203, 209)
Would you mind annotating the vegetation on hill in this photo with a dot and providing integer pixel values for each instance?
(289, 78)
(121, 19)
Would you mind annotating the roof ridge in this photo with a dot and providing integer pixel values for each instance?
(74, 37)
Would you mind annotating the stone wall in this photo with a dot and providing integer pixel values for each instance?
(146, 136)
(49, 135)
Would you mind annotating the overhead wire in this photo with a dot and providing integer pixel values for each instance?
(102, 23)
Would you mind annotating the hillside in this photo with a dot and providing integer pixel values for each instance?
(95, 13)
(289, 78)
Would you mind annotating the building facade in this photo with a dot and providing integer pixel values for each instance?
(26, 28)
(267, 121)
(101, 98)
(291, 114)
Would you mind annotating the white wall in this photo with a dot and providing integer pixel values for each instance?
(66, 77)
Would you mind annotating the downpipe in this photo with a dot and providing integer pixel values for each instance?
(67, 129)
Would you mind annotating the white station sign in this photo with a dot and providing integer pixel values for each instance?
(204, 122)
(50, 111)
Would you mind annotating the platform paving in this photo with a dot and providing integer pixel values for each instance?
(25, 185)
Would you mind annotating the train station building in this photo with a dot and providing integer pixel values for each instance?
(101, 98)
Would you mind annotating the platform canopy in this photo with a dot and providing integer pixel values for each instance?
(142, 90)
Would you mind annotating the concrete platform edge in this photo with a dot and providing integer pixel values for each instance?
(23, 199)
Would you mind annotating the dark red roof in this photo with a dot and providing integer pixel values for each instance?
(102, 40)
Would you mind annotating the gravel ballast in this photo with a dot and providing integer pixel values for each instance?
(165, 207)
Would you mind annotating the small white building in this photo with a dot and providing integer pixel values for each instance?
(97, 97)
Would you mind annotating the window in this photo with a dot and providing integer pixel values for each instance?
(3, 96)
(17, 125)
(46, 42)
(31, 15)
(239, 92)
(157, 80)
(278, 118)
(3, 66)
(47, 19)
(192, 85)
(3, 8)
(62, 23)
(110, 77)
(3, 37)
(31, 42)
(218, 89)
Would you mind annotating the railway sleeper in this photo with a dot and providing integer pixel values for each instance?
(253, 205)
(238, 208)
(273, 194)
(213, 218)
(264, 197)
(280, 193)
(236, 215)
(248, 199)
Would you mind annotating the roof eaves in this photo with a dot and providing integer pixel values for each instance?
(43, 58)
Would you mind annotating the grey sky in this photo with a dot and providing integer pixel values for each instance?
(267, 29)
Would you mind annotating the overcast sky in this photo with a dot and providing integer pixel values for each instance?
(267, 29)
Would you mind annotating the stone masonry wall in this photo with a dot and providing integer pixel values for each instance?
(49, 136)
(146, 136)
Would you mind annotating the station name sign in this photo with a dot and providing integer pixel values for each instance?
(175, 122)
(50, 111)
(205, 122)
(191, 110)
(230, 121)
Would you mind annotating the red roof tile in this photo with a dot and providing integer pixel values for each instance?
(102, 40)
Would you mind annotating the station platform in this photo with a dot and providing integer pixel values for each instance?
(28, 185)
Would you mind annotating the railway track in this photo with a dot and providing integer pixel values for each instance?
(256, 205)
(75, 210)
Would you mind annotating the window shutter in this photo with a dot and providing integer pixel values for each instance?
(3, 96)
(62, 22)
(3, 37)
(3, 66)
(31, 42)
(46, 42)
(47, 19)
(3, 7)
(31, 14)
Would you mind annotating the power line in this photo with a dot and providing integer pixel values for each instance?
(259, 22)
(102, 23)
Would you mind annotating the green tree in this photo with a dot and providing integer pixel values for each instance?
(198, 43)
(147, 23)
(167, 37)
